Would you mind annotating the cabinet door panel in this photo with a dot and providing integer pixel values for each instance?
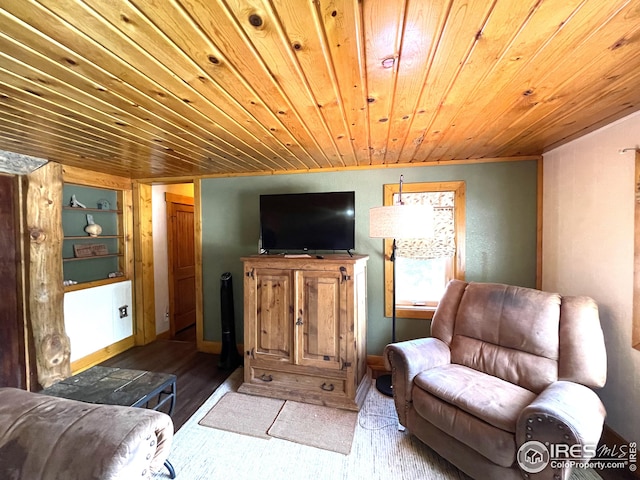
(274, 315)
(321, 308)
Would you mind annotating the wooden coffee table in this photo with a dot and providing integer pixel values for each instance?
(120, 386)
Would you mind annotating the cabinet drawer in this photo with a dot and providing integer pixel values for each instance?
(297, 381)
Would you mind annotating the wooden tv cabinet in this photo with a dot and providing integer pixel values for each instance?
(305, 329)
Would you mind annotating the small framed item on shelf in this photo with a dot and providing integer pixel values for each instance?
(90, 250)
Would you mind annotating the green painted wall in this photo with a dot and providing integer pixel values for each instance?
(500, 236)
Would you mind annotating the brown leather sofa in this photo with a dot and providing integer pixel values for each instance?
(50, 438)
(507, 369)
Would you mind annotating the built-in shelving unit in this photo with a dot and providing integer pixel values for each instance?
(95, 260)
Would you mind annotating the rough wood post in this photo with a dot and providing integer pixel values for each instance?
(45, 289)
(145, 326)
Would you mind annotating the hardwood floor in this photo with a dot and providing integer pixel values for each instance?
(198, 373)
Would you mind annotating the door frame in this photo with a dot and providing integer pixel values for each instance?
(145, 327)
(173, 198)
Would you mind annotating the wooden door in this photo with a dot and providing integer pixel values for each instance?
(181, 256)
(269, 314)
(321, 323)
(12, 345)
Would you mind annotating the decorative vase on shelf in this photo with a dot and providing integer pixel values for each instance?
(92, 228)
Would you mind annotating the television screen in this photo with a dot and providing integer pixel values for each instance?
(308, 221)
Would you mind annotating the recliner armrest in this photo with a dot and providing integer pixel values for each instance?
(408, 359)
(564, 413)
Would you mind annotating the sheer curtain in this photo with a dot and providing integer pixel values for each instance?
(442, 244)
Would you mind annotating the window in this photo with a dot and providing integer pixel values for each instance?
(425, 266)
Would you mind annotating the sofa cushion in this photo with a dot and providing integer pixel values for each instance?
(50, 438)
(488, 398)
(516, 332)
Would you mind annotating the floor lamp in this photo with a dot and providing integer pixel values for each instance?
(396, 222)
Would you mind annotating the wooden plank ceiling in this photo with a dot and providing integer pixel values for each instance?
(173, 88)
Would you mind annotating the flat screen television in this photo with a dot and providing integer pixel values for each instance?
(308, 221)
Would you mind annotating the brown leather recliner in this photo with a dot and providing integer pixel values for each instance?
(506, 374)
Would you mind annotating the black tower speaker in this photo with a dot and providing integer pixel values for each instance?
(229, 357)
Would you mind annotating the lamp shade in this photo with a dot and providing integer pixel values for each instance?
(401, 221)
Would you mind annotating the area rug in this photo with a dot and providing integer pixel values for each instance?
(262, 417)
(315, 425)
(380, 451)
(245, 414)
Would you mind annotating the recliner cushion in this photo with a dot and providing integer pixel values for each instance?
(488, 398)
(494, 444)
(509, 332)
(514, 366)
